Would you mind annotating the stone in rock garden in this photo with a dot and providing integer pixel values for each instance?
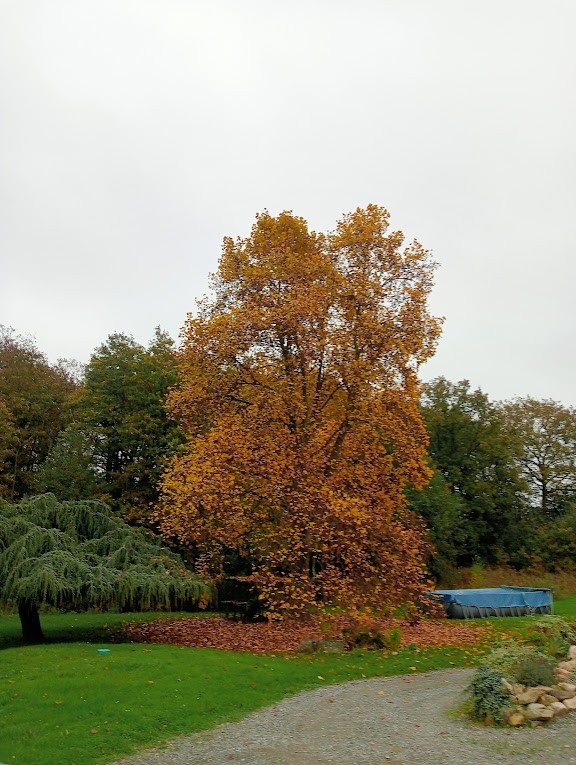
(547, 699)
(308, 646)
(516, 718)
(558, 708)
(529, 696)
(562, 674)
(568, 687)
(569, 665)
(572, 652)
(561, 694)
(539, 712)
(570, 703)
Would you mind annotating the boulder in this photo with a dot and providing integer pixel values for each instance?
(308, 646)
(516, 718)
(560, 694)
(558, 708)
(529, 696)
(332, 645)
(507, 686)
(572, 652)
(567, 687)
(538, 712)
(562, 675)
(547, 699)
(569, 665)
(570, 703)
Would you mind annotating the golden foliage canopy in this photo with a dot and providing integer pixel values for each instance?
(298, 394)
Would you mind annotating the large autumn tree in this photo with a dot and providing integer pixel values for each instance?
(299, 397)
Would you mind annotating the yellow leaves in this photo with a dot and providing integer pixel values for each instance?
(299, 400)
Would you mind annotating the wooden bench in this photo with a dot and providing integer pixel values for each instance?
(238, 598)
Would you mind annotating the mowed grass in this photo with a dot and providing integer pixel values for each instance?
(522, 625)
(566, 607)
(64, 704)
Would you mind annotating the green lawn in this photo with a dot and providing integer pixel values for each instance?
(566, 606)
(65, 704)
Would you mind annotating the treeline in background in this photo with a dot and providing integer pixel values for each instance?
(502, 497)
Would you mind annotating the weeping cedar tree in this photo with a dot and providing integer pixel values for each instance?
(78, 555)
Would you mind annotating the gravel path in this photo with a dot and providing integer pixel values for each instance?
(385, 721)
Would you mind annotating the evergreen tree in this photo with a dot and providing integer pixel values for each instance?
(78, 555)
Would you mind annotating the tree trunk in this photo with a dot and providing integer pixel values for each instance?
(30, 621)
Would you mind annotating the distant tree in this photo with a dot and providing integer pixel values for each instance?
(543, 435)
(71, 470)
(34, 398)
(445, 514)
(299, 399)
(8, 437)
(78, 555)
(556, 542)
(121, 412)
(470, 448)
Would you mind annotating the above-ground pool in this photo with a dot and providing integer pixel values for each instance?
(495, 601)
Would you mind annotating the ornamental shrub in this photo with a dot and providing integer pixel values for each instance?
(489, 698)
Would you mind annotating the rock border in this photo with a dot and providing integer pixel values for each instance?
(539, 704)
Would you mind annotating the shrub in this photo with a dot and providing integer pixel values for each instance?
(371, 636)
(506, 657)
(554, 635)
(521, 663)
(535, 669)
(561, 582)
(364, 637)
(489, 699)
(392, 638)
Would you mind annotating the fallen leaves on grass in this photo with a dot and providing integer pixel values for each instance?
(286, 636)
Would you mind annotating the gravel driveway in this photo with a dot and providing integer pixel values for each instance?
(385, 721)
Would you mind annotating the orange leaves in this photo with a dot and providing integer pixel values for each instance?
(288, 635)
(299, 397)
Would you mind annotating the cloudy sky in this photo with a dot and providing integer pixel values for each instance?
(136, 134)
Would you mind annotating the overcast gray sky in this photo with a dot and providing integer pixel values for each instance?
(136, 134)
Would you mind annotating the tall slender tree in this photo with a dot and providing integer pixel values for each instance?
(298, 394)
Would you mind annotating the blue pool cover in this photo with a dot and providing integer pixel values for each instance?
(495, 601)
